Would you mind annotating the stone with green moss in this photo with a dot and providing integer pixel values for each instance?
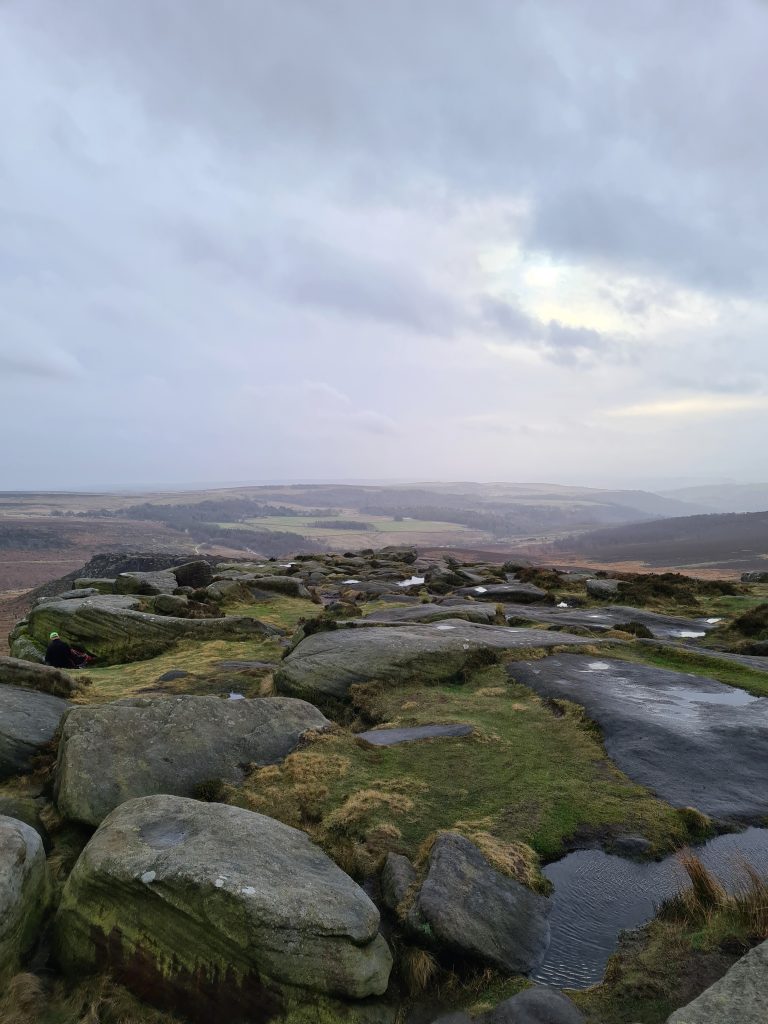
(218, 906)
(24, 892)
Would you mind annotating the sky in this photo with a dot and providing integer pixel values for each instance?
(422, 239)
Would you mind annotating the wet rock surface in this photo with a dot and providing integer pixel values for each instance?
(692, 740)
(468, 611)
(142, 746)
(601, 619)
(391, 737)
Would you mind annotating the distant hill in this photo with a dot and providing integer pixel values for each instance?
(732, 540)
(724, 497)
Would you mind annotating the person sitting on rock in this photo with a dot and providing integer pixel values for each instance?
(61, 655)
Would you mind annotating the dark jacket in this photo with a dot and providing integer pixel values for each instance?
(60, 655)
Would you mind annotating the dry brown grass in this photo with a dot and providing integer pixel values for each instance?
(419, 969)
(23, 1000)
(514, 859)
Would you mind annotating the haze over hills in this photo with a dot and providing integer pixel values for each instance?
(723, 497)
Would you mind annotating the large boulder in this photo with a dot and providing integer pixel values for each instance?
(24, 892)
(140, 746)
(329, 663)
(28, 723)
(739, 997)
(160, 582)
(754, 577)
(602, 589)
(33, 676)
(193, 574)
(473, 911)
(114, 629)
(290, 586)
(213, 911)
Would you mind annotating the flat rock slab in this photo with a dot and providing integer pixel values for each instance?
(24, 892)
(215, 908)
(28, 723)
(739, 997)
(601, 619)
(692, 740)
(141, 746)
(470, 611)
(31, 675)
(391, 737)
(329, 663)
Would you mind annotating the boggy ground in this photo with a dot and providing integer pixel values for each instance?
(531, 782)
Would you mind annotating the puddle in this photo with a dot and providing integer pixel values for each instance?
(350, 581)
(389, 737)
(733, 698)
(445, 627)
(481, 590)
(597, 895)
(688, 634)
(235, 696)
(712, 622)
(414, 581)
(598, 666)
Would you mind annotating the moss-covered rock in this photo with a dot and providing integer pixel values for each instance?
(24, 892)
(214, 910)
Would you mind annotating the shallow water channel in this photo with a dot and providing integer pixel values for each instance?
(597, 895)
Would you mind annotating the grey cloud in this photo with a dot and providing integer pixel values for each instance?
(556, 340)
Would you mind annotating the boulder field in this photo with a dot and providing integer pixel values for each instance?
(251, 861)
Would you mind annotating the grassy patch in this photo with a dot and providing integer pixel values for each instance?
(285, 612)
(525, 776)
(750, 679)
(115, 681)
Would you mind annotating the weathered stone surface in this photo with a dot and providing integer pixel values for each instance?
(111, 627)
(397, 876)
(469, 612)
(218, 908)
(28, 723)
(229, 590)
(694, 741)
(740, 997)
(160, 582)
(193, 574)
(290, 586)
(523, 593)
(33, 676)
(101, 584)
(140, 746)
(472, 910)
(171, 604)
(601, 619)
(26, 809)
(329, 663)
(534, 1006)
(754, 577)
(24, 892)
(602, 588)
(414, 734)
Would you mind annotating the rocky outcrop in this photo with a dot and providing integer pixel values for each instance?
(469, 909)
(159, 582)
(329, 663)
(214, 910)
(24, 892)
(28, 723)
(602, 589)
(114, 629)
(754, 577)
(739, 996)
(140, 746)
(193, 574)
(289, 586)
(32, 676)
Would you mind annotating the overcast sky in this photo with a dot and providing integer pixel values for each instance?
(431, 239)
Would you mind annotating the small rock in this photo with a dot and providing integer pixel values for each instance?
(397, 876)
(602, 588)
